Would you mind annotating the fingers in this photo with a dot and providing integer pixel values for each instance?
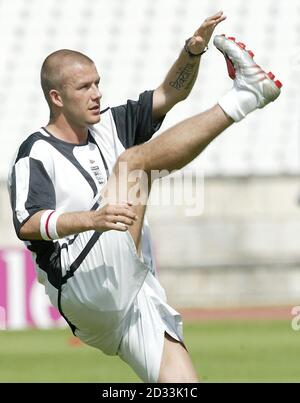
(120, 219)
(215, 19)
(220, 19)
(120, 222)
(117, 227)
(215, 16)
(206, 29)
(215, 22)
(120, 210)
(120, 216)
(114, 217)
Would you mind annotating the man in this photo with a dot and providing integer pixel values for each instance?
(70, 199)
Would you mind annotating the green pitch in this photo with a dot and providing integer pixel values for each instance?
(261, 351)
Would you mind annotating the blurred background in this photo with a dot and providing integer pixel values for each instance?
(242, 251)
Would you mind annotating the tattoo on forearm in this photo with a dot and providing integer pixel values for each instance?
(191, 82)
(185, 77)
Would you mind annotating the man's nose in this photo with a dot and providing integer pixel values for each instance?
(96, 93)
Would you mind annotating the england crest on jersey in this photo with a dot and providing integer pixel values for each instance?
(97, 172)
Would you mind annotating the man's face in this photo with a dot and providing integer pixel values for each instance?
(80, 94)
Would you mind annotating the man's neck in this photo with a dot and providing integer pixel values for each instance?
(67, 132)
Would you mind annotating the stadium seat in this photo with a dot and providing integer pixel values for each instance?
(133, 44)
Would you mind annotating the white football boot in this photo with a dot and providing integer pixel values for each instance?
(253, 88)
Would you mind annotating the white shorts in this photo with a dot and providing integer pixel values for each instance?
(115, 302)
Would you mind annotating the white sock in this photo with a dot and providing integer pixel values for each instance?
(238, 103)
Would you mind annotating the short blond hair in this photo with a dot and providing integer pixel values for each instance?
(52, 71)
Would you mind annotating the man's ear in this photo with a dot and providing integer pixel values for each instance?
(56, 98)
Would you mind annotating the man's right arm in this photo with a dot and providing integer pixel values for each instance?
(110, 217)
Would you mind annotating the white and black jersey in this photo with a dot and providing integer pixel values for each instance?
(108, 293)
(49, 173)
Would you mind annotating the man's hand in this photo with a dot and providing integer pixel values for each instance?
(181, 78)
(114, 217)
(202, 36)
(118, 217)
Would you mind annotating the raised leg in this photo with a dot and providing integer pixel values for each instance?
(173, 149)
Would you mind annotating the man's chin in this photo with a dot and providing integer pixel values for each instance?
(94, 120)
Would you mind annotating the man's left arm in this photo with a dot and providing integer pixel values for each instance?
(182, 76)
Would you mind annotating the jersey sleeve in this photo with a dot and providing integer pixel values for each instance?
(134, 121)
(30, 187)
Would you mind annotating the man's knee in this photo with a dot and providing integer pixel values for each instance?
(129, 179)
(132, 159)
